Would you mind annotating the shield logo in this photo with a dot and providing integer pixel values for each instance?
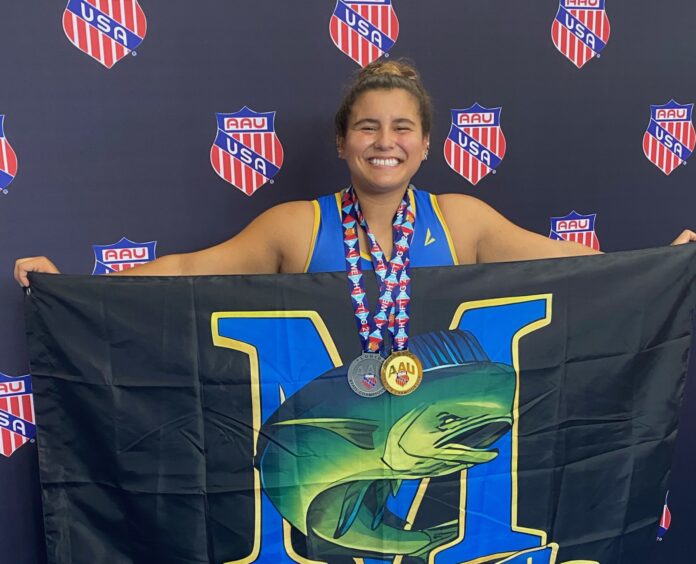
(16, 413)
(369, 381)
(475, 145)
(575, 227)
(8, 160)
(364, 29)
(580, 30)
(670, 137)
(122, 255)
(246, 152)
(107, 30)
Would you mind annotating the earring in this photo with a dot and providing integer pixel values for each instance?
(425, 155)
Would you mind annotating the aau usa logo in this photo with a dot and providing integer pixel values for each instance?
(122, 255)
(577, 228)
(107, 30)
(475, 145)
(8, 160)
(16, 413)
(364, 29)
(247, 152)
(670, 137)
(580, 30)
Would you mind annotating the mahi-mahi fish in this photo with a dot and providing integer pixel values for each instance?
(329, 459)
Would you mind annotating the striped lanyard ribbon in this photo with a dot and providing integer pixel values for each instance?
(392, 275)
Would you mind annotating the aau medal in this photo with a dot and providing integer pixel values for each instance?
(402, 373)
(364, 375)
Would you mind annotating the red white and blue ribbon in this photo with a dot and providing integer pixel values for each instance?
(392, 275)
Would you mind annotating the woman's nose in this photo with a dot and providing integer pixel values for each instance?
(384, 140)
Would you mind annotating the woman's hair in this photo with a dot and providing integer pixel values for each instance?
(386, 75)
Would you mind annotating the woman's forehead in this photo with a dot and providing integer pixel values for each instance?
(392, 103)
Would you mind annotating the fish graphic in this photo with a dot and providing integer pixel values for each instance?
(329, 459)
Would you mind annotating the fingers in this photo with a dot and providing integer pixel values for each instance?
(686, 236)
(24, 266)
(20, 272)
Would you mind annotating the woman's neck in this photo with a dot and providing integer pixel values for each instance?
(379, 208)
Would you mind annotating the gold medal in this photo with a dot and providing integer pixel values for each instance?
(401, 373)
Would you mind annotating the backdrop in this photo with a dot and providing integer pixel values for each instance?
(92, 154)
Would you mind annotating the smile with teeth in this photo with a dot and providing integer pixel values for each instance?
(383, 162)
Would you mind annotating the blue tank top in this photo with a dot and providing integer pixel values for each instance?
(431, 246)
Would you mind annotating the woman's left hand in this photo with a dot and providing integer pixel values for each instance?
(686, 236)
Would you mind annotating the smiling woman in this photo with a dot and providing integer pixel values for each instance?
(383, 134)
(384, 143)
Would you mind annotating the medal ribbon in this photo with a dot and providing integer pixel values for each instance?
(392, 275)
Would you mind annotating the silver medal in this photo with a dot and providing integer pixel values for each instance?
(364, 375)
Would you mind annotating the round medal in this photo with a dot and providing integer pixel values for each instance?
(364, 375)
(402, 373)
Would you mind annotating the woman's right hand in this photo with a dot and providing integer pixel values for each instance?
(32, 264)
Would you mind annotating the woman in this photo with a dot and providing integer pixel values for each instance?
(383, 134)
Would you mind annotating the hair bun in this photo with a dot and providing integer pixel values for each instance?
(401, 68)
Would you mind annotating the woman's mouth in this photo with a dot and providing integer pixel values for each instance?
(388, 162)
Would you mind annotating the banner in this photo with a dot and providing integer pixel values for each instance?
(209, 419)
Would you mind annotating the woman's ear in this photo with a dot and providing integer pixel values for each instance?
(339, 146)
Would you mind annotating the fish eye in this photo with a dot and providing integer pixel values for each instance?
(447, 418)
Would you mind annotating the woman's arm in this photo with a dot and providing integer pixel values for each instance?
(265, 246)
(482, 234)
(276, 241)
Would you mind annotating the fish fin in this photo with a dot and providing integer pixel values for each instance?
(355, 493)
(377, 519)
(395, 486)
(357, 431)
(447, 347)
(382, 491)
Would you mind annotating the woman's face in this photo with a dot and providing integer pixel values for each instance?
(384, 142)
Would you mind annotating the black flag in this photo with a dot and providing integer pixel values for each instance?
(209, 419)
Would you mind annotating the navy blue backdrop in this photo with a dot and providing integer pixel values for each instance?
(125, 152)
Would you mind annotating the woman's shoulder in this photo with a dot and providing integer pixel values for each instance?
(449, 199)
(459, 201)
(294, 210)
(283, 221)
(464, 217)
(464, 212)
(463, 207)
(302, 206)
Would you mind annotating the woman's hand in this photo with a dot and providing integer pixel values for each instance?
(24, 266)
(686, 236)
